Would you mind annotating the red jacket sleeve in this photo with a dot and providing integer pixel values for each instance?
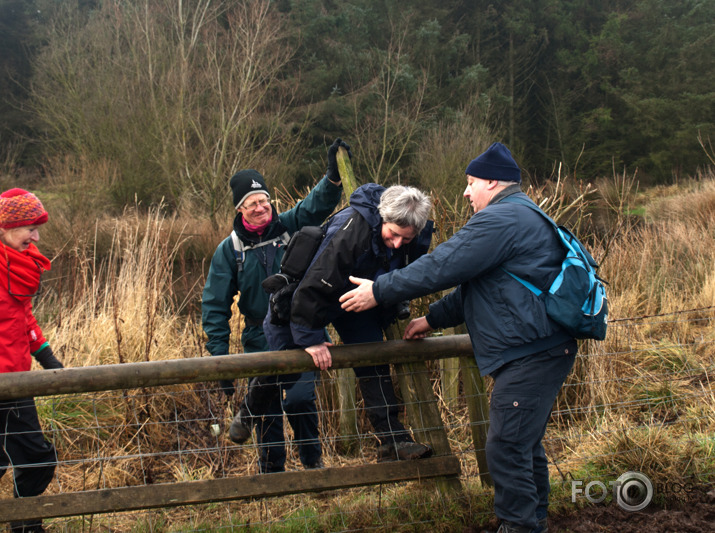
(34, 333)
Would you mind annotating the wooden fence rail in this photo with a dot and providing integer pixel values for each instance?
(409, 357)
(196, 370)
(226, 489)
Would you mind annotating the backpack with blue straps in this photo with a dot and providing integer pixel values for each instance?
(577, 298)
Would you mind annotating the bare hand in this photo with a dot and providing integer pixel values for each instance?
(321, 355)
(359, 299)
(417, 329)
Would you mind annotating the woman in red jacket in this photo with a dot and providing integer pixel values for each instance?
(22, 444)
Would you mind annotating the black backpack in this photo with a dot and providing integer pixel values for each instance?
(298, 256)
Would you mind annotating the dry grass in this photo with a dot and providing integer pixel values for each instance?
(121, 307)
(644, 395)
(127, 289)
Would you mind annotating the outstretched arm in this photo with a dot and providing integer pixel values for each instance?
(359, 299)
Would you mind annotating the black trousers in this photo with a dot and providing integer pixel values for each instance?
(378, 393)
(523, 395)
(269, 397)
(24, 448)
(381, 404)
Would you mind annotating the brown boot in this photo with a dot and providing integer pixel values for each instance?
(403, 451)
(240, 430)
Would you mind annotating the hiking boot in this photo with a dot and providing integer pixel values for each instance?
(544, 525)
(240, 430)
(510, 527)
(315, 466)
(403, 451)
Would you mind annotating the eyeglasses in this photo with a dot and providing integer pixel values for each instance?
(255, 205)
(39, 285)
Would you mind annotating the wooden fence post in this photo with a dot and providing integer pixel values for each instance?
(347, 423)
(449, 373)
(423, 410)
(449, 380)
(478, 407)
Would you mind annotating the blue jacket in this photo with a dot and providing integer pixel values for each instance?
(224, 281)
(505, 320)
(352, 246)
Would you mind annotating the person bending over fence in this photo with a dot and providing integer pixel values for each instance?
(381, 230)
(22, 444)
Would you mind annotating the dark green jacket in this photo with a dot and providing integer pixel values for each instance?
(224, 280)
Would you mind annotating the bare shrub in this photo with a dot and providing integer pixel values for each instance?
(177, 95)
(388, 111)
(444, 153)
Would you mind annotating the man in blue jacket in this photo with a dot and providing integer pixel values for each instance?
(526, 353)
(240, 264)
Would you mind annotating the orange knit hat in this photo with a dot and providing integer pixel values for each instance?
(20, 208)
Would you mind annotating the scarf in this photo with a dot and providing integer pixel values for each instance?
(25, 269)
(256, 229)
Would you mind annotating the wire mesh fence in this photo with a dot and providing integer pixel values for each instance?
(642, 400)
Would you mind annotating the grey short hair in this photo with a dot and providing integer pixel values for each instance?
(405, 206)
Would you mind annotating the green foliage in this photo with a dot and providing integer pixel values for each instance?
(178, 95)
(650, 61)
(19, 40)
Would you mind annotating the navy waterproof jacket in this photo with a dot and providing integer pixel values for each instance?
(505, 320)
(352, 246)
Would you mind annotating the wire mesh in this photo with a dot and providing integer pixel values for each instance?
(629, 403)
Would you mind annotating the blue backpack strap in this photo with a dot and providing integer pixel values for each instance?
(525, 283)
(513, 199)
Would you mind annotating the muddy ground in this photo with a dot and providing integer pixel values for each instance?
(697, 515)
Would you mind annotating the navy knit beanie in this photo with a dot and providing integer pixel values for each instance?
(245, 183)
(495, 164)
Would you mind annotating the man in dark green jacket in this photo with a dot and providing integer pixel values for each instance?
(240, 264)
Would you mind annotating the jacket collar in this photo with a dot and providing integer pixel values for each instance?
(506, 191)
(274, 229)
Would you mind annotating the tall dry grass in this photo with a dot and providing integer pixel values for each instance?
(118, 297)
(128, 289)
(120, 307)
(645, 393)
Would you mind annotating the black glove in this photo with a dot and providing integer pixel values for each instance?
(227, 387)
(275, 283)
(280, 303)
(47, 359)
(333, 174)
(403, 310)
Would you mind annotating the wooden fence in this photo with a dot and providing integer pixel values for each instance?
(409, 357)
